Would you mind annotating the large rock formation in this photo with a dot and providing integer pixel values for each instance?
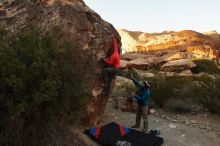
(77, 24)
(161, 50)
(203, 46)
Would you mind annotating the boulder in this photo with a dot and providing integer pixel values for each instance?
(74, 23)
(144, 74)
(140, 64)
(177, 56)
(120, 79)
(168, 74)
(124, 104)
(153, 59)
(185, 73)
(132, 56)
(123, 63)
(123, 87)
(152, 111)
(178, 65)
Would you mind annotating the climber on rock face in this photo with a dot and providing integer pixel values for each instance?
(111, 65)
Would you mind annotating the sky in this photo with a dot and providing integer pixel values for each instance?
(159, 15)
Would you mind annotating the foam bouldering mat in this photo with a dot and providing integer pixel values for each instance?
(114, 134)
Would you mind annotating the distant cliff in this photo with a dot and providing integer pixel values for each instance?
(198, 44)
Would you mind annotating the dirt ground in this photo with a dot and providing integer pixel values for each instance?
(201, 129)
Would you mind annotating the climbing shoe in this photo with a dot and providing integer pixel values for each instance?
(155, 132)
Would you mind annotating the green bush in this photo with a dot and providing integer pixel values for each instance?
(207, 66)
(160, 91)
(207, 92)
(180, 91)
(40, 87)
(183, 94)
(163, 88)
(179, 105)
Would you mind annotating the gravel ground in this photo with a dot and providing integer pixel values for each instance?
(177, 130)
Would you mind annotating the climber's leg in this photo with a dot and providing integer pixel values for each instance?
(108, 74)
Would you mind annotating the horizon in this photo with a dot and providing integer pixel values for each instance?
(213, 30)
(197, 15)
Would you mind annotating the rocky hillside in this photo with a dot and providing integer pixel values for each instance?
(71, 21)
(198, 44)
(169, 51)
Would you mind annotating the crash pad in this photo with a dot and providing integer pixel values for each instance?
(114, 134)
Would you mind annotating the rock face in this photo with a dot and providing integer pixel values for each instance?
(123, 104)
(168, 51)
(76, 24)
(141, 64)
(204, 45)
(178, 65)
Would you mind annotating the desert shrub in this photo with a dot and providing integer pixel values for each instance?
(179, 105)
(40, 87)
(160, 90)
(155, 69)
(207, 92)
(180, 93)
(207, 66)
(184, 94)
(164, 88)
